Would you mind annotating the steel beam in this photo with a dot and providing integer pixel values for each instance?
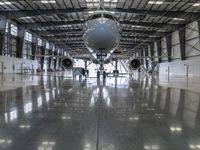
(2, 34)
(169, 47)
(182, 41)
(79, 31)
(188, 16)
(159, 49)
(164, 26)
(30, 13)
(20, 42)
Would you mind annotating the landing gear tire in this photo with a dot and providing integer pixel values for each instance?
(98, 74)
(104, 74)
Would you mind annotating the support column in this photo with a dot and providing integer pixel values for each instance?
(169, 47)
(34, 46)
(85, 64)
(116, 65)
(2, 34)
(43, 54)
(152, 51)
(146, 57)
(60, 59)
(55, 59)
(142, 56)
(50, 58)
(20, 42)
(182, 43)
(159, 48)
(199, 29)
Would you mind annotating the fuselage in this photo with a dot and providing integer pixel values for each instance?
(102, 36)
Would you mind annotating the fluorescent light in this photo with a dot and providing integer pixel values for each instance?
(52, 1)
(111, 1)
(28, 17)
(196, 4)
(46, 1)
(112, 12)
(159, 2)
(5, 3)
(136, 26)
(178, 19)
(8, 3)
(155, 2)
(90, 12)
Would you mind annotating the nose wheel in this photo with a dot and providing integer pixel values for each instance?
(104, 74)
(98, 74)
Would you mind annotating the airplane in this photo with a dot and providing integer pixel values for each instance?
(102, 34)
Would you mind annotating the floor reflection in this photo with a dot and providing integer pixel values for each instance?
(55, 113)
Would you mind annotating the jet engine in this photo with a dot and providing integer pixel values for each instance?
(67, 63)
(134, 64)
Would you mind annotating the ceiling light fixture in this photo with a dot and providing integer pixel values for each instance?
(136, 26)
(47, 2)
(178, 19)
(155, 2)
(196, 4)
(5, 3)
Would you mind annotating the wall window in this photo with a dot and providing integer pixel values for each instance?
(13, 48)
(7, 27)
(39, 42)
(47, 45)
(10, 41)
(28, 37)
(6, 49)
(27, 50)
(14, 30)
(27, 47)
(53, 49)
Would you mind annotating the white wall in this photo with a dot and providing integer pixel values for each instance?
(13, 65)
(190, 66)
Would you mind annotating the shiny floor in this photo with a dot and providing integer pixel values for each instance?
(58, 113)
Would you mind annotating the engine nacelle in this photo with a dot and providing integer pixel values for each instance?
(67, 63)
(134, 64)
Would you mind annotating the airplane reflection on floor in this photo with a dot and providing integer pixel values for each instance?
(134, 113)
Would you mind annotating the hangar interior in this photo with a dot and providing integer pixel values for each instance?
(155, 106)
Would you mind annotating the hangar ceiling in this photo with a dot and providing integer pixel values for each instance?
(61, 21)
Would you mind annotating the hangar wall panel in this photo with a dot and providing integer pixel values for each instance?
(13, 65)
(190, 66)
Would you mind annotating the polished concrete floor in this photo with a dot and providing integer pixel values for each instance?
(58, 113)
